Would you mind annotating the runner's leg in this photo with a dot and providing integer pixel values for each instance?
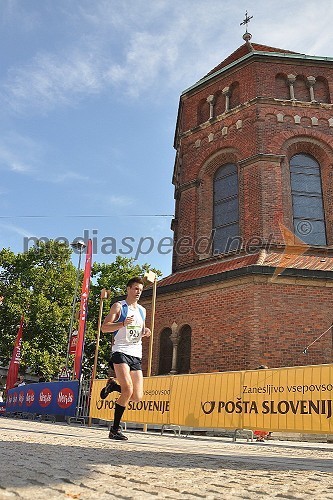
(137, 381)
(122, 371)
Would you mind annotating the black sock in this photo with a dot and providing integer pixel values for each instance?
(118, 413)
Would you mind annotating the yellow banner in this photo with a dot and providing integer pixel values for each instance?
(153, 409)
(297, 399)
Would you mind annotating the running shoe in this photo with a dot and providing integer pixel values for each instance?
(117, 434)
(110, 387)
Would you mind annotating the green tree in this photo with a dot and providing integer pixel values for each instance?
(38, 283)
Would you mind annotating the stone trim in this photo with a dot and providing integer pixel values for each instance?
(299, 276)
(261, 157)
(188, 185)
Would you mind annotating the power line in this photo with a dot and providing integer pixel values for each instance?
(81, 216)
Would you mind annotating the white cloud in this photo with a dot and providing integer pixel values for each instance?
(130, 44)
(145, 48)
(21, 231)
(51, 80)
(22, 155)
(13, 11)
(17, 154)
(69, 176)
(119, 201)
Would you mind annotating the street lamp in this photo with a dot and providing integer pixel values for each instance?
(79, 245)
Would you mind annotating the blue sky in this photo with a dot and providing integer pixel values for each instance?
(89, 96)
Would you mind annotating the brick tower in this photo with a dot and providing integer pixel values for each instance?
(252, 272)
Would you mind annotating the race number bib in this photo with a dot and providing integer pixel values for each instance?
(133, 333)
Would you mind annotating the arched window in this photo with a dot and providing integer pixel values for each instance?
(165, 357)
(226, 212)
(203, 111)
(282, 87)
(301, 89)
(321, 90)
(235, 95)
(307, 198)
(219, 106)
(184, 350)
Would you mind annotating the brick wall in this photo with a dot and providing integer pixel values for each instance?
(261, 126)
(240, 324)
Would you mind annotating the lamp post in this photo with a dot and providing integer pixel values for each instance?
(79, 245)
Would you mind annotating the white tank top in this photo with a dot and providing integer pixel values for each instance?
(128, 338)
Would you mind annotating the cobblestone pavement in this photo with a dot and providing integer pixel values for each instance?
(56, 461)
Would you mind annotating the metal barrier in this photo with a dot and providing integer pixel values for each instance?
(177, 430)
(83, 402)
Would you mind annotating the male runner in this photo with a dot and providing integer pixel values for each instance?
(126, 320)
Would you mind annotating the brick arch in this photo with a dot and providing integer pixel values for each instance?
(202, 111)
(279, 140)
(305, 121)
(322, 122)
(321, 90)
(205, 191)
(288, 119)
(281, 86)
(316, 147)
(270, 117)
(211, 164)
(301, 89)
(322, 152)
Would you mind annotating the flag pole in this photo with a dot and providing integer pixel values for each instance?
(105, 294)
(77, 369)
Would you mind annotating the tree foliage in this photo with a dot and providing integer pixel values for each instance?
(40, 284)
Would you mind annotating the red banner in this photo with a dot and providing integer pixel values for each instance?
(14, 366)
(83, 312)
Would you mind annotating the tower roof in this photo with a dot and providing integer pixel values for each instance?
(245, 49)
(249, 50)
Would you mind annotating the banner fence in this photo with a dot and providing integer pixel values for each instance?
(296, 399)
(56, 398)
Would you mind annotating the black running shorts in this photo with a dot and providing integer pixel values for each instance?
(132, 361)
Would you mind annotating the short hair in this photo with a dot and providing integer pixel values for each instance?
(136, 279)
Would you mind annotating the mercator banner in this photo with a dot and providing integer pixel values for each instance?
(296, 399)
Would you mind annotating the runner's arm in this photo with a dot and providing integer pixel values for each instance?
(110, 323)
